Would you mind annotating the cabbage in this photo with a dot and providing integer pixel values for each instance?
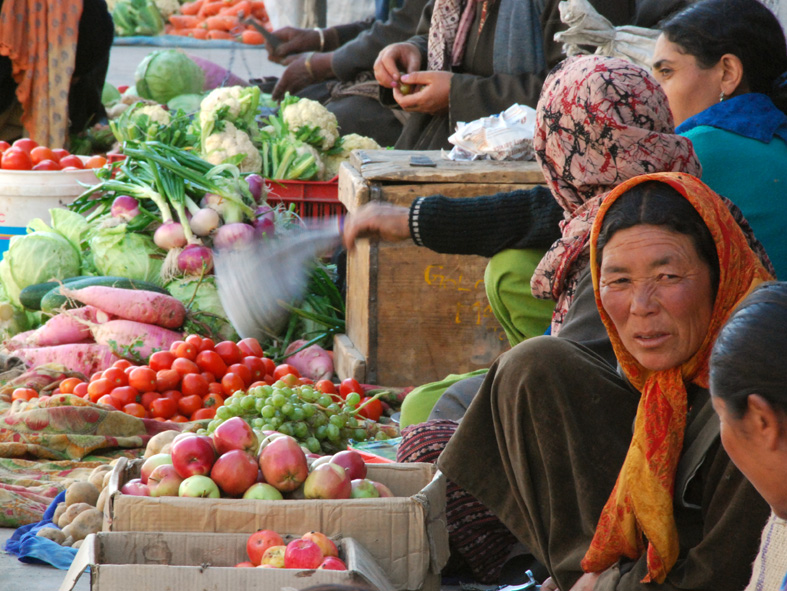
(126, 254)
(167, 73)
(189, 103)
(206, 314)
(41, 256)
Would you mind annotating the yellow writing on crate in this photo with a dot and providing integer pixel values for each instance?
(476, 311)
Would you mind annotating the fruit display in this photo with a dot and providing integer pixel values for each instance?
(26, 154)
(313, 550)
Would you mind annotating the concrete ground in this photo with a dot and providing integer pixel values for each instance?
(18, 576)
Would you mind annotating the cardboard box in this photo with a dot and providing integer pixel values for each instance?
(415, 316)
(143, 561)
(406, 534)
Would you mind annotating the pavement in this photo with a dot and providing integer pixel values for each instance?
(18, 576)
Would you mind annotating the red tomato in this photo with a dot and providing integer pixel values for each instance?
(185, 366)
(290, 379)
(80, 389)
(257, 367)
(243, 371)
(175, 345)
(47, 165)
(187, 351)
(305, 381)
(270, 366)
(97, 375)
(107, 399)
(212, 362)
(67, 386)
(163, 408)
(215, 388)
(326, 386)
(16, 159)
(229, 352)
(135, 410)
(175, 395)
(188, 405)
(98, 388)
(349, 385)
(203, 413)
(60, 152)
(125, 394)
(167, 379)
(72, 160)
(194, 339)
(207, 345)
(250, 346)
(40, 153)
(194, 384)
(269, 379)
(161, 360)
(209, 377)
(179, 419)
(373, 410)
(283, 370)
(95, 162)
(149, 397)
(116, 376)
(4, 145)
(122, 364)
(258, 384)
(213, 401)
(142, 378)
(25, 143)
(23, 394)
(231, 383)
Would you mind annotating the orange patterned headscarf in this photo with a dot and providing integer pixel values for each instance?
(640, 506)
(40, 38)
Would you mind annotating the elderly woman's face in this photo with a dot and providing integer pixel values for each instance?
(689, 88)
(657, 291)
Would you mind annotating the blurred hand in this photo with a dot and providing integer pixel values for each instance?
(429, 92)
(294, 41)
(387, 222)
(395, 59)
(549, 585)
(586, 582)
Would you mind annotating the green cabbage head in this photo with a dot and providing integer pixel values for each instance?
(126, 254)
(41, 256)
(167, 73)
(206, 314)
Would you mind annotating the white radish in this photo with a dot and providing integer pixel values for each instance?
(138, 305)
(134, 340)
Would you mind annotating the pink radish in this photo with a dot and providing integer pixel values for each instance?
(138, 305)
(134, 340)
(18, 341)
(312, 362)
(66, 327)
(86, 358)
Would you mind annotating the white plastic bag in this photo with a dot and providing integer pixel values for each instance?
(507, 136)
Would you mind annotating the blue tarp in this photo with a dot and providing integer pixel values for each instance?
(178, 41)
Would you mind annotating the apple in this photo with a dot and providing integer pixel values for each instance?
(164, 481)
(259, 542)
(332, 563)
(234, 471)
(283, 464)
(151, 463)
(363, 488)
(352, 462)
(135, 488)
(382, 489)
(199, 486)
(192, 456)
(273, 557)
(327, 547)
(328, 481)
(244, 564)
(263, 492)
(303, 554)
(235, 433)
(260, 476)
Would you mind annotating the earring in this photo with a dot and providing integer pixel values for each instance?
(721, 96)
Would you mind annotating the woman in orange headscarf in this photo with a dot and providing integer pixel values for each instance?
(564, 471)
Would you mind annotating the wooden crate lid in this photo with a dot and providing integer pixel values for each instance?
(394, 165)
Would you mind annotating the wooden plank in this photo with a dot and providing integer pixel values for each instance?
(394, 166)
(405, 194)
(348, 361)
(361, 295)
(353, 188)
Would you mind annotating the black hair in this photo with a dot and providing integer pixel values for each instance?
(654, 203)
(747, 29)
(748, 355)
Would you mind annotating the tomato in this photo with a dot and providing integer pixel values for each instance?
(47, 165)
(290, 379)
(250, 346)
(209, 377)
(257, 367)
(80, 389)
(194, 339)
(125, 394)
(25, 143)
(161, 360)
(326, 386)
(283, 370)
(135, 410)
(98, 388)
(95, 162)
(305, 381)
(269, 379)
(67, 386)
(16, 159)
(229, 352)
(258, 384)
(212, 362)
(166, 379)
(163, 407)
(194, 384)
(207, 345)
(373, 409)
(4, 145)
(186, 351)
(175, 345)
(122, 364)
(179, 419)
(203, 413)
(349, 385)
(175, 395)
(116, 376)
(231, 383)
(188, 405)
(60, 153)
(149, 397)
(215, 388)
(142, 378)
(213, 401)
(40, 153)
(72, 160)
(243, 371)
(109, 400)
(23, 394)
(185, 366)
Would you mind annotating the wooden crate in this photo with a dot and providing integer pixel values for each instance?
(413, 315)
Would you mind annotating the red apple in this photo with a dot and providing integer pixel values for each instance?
(328, 481)
(192, 456)
(283, 464)
(332, 563)
(259, 542)
(234, 472)
(244, 564)
(235, 433)
(199, 486)
(151, 463)
(382, 489)
(363, 488)
(273, 557)
(327, 547)
(135, 488)
(352, 462)
(164, 481)
(303, 554)
(262, 491)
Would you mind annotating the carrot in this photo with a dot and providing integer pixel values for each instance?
(134, 340)
(191, 8)
(67, 327)
(181, 21)
(198, 33)
(86, 358)
(221, 23)
(252, 37)
(243, 7)
(132, 304)
(258, 8)
(211, 7)
(216, 34)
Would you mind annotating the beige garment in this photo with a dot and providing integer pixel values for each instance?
(770, 567)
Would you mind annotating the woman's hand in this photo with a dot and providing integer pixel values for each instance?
(586, 582)
(432, 92)
(293, 42)
(297, 76)
(383, 220)
(393, 60)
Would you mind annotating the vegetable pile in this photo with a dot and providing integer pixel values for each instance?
(26, 154)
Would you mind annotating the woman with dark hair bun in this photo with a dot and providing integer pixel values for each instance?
(723, 65)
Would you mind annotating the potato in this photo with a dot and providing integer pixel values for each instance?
(158, 441)
(102, 499)
(71, 512)
(51, 533)
(77, 544)
(89, 521)
(96, 477)
(68, 541)
(81, 492)
(61, 507)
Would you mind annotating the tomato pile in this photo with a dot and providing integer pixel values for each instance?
(26, 154)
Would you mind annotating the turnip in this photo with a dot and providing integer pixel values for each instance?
(204, 221)
(233, 235)
(170, 235)
(132, 304)
(125, 208)
(86, 358)
(312, 362)
(135, 340)
(195, 260)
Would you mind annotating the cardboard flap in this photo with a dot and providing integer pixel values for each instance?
(85, 555)
(365, 565)
(432, 497)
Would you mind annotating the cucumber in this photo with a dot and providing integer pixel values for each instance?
(53, 299)
(30, 296)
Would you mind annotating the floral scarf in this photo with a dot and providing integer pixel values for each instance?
(640, 506)
(599, 122)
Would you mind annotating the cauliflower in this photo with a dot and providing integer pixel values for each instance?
(233, 104)
(167, 7)
(350, 142)
(306, 114)
(306, 149)
(155, 113)
(230, 142)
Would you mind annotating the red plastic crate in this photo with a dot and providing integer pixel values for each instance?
(312, 199)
